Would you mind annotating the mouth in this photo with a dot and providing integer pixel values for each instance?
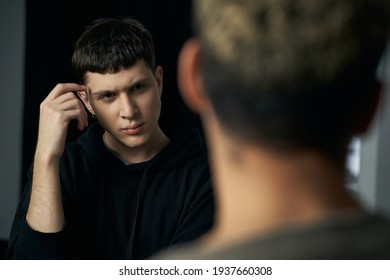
(132, 129)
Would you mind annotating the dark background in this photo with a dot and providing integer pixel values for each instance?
(52, 27)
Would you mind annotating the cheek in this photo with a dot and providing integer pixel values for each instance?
(105, 114)
(151, 106)
(157, 107)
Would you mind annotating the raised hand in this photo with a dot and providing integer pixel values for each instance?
(56, 111)
(45, 212)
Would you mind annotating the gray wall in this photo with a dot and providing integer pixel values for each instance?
(383, 160)
(11, 106)
(374, 180)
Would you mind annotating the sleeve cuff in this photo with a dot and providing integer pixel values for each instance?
(37, 245)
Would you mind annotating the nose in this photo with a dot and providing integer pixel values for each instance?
(128, 106)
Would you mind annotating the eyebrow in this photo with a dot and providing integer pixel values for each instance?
(101, 92)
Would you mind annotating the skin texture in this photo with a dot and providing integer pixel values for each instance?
(127, 104)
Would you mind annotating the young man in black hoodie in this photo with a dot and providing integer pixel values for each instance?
(281, 87)
(124, 189)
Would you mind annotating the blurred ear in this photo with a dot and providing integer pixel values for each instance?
(84, 98)
(372, 107)
(190, 77)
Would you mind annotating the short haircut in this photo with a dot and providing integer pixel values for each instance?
(291, 73)
(110, 44)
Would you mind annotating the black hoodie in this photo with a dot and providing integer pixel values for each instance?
(118, 211)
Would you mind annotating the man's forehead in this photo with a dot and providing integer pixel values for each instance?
(97, 83)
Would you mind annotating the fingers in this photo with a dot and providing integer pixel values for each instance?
(79, 115)
(65, 108)
(63, 88)
(75, 111)
(56, 111)
(74, 106)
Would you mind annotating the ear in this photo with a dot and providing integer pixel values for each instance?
(372, 107)
(190, 77)
(84, 98)
(158, 74)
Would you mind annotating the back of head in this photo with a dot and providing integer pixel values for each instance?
(294, 73)
(110, 44)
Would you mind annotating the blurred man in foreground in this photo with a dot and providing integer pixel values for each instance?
(281, 87)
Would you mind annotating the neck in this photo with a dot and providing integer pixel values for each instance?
(259, 191)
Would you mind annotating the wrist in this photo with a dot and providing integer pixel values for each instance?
(46, 158)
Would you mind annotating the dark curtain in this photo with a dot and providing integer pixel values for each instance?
(54, 26)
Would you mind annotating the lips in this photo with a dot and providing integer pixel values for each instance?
(132, 129)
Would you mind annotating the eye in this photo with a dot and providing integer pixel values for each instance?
(107, 96)
(137, 88)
